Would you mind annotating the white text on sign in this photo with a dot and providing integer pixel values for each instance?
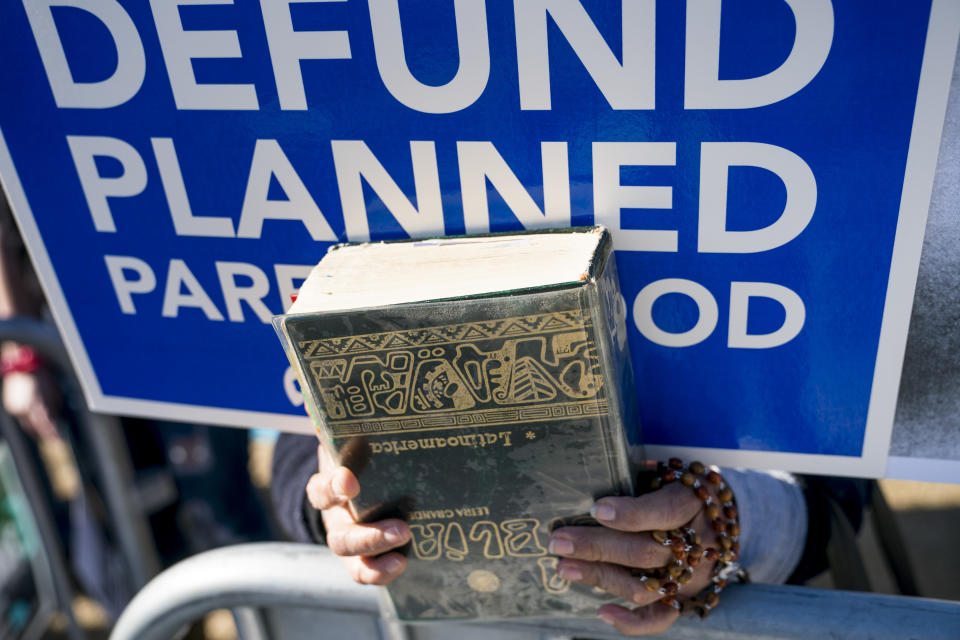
(626, 82)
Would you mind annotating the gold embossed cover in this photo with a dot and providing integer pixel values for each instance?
(484, 422)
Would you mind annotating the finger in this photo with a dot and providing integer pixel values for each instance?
(329, 490)
(667, 508)
(654, 618)
(380, 570)
(598, 544)
(609, 577)
(368, 539)
(703, 571)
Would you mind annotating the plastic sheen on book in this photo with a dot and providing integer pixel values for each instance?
(480, 388)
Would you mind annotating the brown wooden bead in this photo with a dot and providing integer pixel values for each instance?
(670, 601)
(656, 483)
(686, 545)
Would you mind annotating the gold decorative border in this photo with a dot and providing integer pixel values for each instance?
(541, 323)
(479, 418)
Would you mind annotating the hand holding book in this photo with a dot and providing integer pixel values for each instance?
(604, 557)
(363, 547)
(481, 391)
(609, 557)
(479, 388)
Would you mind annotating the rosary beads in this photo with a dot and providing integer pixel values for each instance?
(687, 546)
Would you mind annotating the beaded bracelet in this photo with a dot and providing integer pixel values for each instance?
(687, 546)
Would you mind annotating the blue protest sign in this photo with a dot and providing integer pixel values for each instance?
(176, 167)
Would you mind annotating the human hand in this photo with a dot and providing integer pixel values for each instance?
(604, 556)
(363, 547)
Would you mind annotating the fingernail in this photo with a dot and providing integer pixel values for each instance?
(606, 617)
(392, 535)
(560, 546)
(602, 511)
(392, 565)
(571, 573)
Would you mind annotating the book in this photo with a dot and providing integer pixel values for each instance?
(480, 388)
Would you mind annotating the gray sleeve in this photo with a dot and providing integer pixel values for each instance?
(773, 522)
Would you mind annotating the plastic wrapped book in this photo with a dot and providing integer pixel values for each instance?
(480, 388)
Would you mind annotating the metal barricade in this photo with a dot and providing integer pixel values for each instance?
(280, 579)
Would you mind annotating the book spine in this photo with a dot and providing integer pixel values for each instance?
(293, 357)
(608, 311)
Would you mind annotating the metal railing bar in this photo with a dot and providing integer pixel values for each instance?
(294, 575)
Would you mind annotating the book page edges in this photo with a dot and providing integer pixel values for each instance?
(324, 289)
